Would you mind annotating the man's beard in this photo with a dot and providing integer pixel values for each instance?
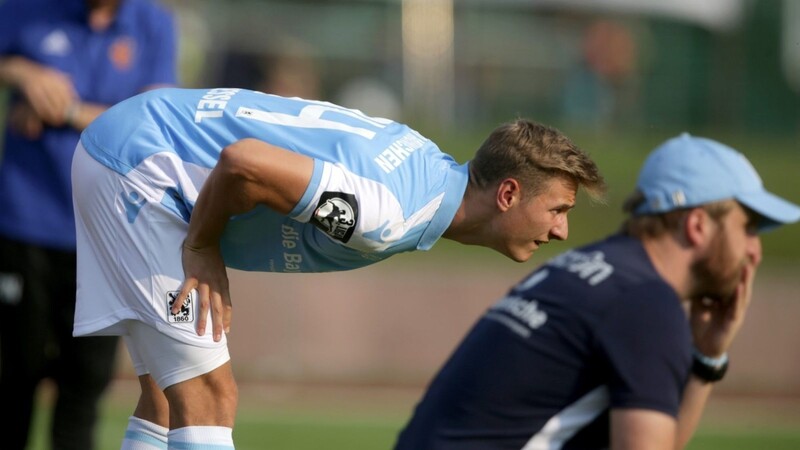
(717, 275)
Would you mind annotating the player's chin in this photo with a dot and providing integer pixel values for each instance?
(522, 255)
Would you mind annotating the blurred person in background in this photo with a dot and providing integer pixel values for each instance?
(617, 344)
(182, 183)
(599, 88)
(65, 62)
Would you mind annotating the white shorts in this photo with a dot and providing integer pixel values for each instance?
(129, 253)
(167, 360)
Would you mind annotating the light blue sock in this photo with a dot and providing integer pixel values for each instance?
(144, 435)
(201, 438)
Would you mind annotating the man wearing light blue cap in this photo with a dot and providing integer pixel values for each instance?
(594, 349)
(689, 171)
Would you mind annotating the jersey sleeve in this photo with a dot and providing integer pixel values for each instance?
(646, 343)
(360, 212)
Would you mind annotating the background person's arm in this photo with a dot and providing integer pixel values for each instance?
(642, 429)
(48, 91)
(249, 173)
(714, 325)
(50, 97)
(695, 397)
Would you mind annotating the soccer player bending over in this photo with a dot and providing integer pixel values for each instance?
(173, 186)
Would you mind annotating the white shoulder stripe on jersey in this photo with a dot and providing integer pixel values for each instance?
(309, 117)
(569, 421)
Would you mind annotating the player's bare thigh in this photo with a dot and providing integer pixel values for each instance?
(193, 378)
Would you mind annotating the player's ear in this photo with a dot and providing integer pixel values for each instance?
(508, 194)
(697, 227)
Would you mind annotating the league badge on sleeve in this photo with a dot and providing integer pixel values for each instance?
(186, 314)
(336, 214)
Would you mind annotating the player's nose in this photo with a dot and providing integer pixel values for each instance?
(560, 230)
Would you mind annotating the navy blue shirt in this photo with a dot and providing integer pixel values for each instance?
(136, 51)
(593, 329)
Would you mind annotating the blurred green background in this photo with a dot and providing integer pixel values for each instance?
(617, 77)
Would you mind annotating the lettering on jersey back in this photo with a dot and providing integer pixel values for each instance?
(591, 266)
(394, 155)
(213, 104)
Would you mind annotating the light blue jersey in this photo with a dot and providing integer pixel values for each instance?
(378, 187)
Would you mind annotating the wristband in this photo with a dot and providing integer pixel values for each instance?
(707, 368)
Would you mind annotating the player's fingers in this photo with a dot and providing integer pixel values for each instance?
(48, 103)
(227, 313)
(701, 309)
(216, 316)
(202, 311)
(23, 120)
(744, 291)
(39, 102)
(186, 289)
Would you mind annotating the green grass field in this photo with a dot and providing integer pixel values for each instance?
(353, 418)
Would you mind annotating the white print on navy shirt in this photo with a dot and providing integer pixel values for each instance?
(11, 288)
(591, 267)
(522, 309)
(186, 314)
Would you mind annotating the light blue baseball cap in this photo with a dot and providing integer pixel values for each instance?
(688, 171)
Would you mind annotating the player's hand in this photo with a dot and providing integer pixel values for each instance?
(49, 91)
(23, 120)
(715, 322)
(205, 272)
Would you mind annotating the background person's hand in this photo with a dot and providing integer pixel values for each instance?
(49, 92)
(205, 271)
(24, 121)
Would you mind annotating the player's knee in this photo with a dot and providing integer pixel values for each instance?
(214, 387)
(225, 390)
(189, 400)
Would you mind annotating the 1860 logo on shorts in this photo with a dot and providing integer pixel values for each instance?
(186, 314)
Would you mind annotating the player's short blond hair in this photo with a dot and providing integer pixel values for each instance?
(655, 225)
(532, 154)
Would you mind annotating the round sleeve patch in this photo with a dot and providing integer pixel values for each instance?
(336, 214)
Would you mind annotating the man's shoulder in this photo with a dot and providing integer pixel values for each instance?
(148, 6)
(146, 14)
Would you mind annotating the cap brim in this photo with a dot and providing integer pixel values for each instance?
(774, 209)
